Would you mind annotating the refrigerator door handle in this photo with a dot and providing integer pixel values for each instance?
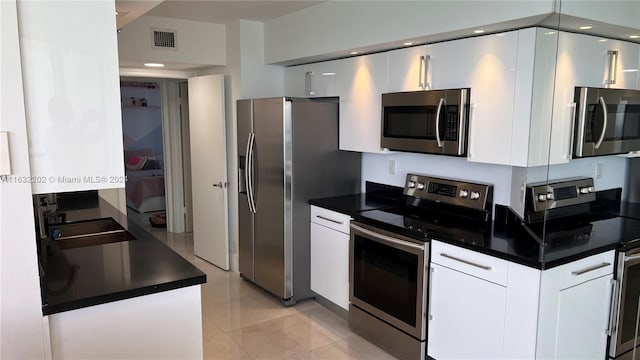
(249, 173)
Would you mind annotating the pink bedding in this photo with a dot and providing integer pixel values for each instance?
(144, 184)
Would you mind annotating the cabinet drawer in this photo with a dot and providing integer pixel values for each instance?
(583, 270)
(331, 219)
(470, 262)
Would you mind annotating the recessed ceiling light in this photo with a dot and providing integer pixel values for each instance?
(634, 36)
(117, 12)
(550, 33)
(153, 65)
(328, 73)
(603, 40)
(408, 43)
(354, 53)
(630, 70)
(479, 31)
(501, 34)
(586, 27)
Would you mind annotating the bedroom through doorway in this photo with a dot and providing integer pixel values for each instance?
(141, 103)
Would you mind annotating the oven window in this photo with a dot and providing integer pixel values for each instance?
(386, 278)
(623, 122)
(630, 312)
(419, 122)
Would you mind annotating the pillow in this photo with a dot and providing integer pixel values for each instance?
(136, 162)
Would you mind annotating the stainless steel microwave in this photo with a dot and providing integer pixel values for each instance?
(607, 121)
(431, 121)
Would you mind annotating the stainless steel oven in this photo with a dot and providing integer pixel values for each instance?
(625, 308)
(388, 289)
(607, 121)
(432, 121)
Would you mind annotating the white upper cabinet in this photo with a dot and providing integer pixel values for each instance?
(486, 65)
(586, 61)
(71, 85)
(408, 69)
(359, 82)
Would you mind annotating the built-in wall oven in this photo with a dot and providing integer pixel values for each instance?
(389, 257)
(387, 280)
(607, 121)
(431, 121)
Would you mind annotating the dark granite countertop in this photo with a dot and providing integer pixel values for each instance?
(86, 276)
(507, 238)
(377, 196)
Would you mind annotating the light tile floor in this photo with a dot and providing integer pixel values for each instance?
(241, 321)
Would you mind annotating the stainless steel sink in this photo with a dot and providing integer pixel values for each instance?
(88, 233)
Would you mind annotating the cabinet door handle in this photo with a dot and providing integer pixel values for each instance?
(572, 109)
(613, 67)
(483, 267)
(420, 75)
(431, 270)
(427, 86)
(590, 268)
(328, 219)
(308, 86)
(613, 306)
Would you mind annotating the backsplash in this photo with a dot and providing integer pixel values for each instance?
(376, 167)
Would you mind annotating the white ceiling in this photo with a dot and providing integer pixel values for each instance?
(223, 11)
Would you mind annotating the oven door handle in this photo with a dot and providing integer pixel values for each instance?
(613, 306)
(387, 239)
(604, 122)
(632, 257)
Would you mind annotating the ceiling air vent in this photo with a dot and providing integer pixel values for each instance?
(164, 39)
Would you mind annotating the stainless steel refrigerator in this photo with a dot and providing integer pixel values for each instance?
(287, 154)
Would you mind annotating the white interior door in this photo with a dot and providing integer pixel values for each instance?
(209, 169)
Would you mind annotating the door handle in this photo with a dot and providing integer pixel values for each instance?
(421, 83)
(221, 184)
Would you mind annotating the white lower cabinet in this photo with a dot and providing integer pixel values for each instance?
(330, 255)
(467, 316)
(467, 304)
(574, 309)
(482, 307)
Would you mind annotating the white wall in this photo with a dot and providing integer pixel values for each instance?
(337, 27)
(23, 331)
(375, 167)
(198, 43)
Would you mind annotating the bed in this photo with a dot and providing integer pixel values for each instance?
(145, 181)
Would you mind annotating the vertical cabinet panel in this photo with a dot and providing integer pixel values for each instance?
(71, 86)
(487, 65)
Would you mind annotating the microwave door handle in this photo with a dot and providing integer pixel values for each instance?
(438, 122)
(604, 122)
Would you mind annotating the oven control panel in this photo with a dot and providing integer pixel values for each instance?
(556, 194)
(450, 191)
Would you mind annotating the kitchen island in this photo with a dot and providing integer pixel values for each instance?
(121, 299)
